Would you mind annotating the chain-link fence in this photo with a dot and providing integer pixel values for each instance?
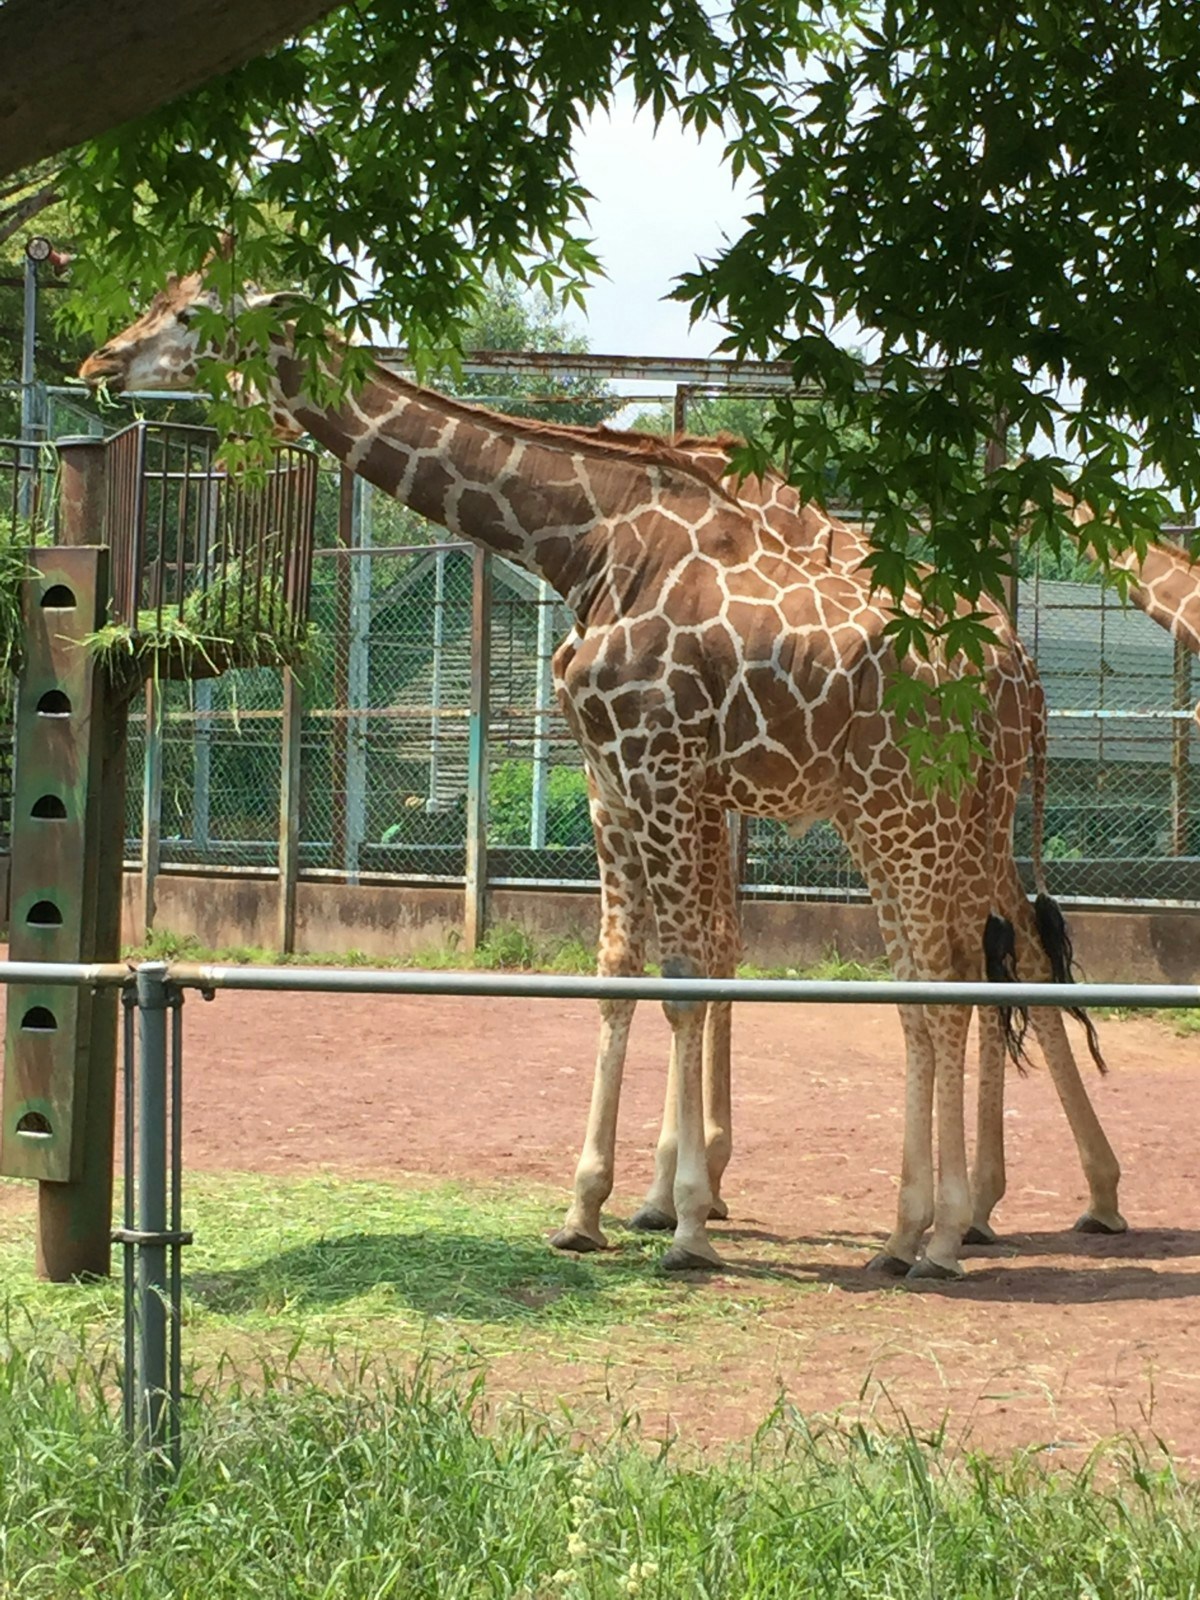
(386, 735)
(386, 730)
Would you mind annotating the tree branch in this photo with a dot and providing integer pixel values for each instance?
(17, 215)
(72, 69)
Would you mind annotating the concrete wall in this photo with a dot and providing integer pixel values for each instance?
(389, 920)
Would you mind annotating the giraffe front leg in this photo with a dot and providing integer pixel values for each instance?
(657, 1212)
(624, 912)
(581, 1231)
(914, 1204)
(691, 1247)
(723, 942)
(952, 1205)
(718, 1110)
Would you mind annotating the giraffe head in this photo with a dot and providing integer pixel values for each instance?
(163, 348)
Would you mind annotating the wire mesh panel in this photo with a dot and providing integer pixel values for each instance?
(386, 727)
(1123, 803)
(539, 828)
(28, 492)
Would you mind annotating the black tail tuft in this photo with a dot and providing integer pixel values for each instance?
(1000, 965)
(1056, 942)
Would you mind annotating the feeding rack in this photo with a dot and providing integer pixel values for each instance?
(209, 571)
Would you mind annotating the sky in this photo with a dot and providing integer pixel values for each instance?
(661, 198)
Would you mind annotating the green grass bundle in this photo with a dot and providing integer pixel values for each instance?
(238, 621)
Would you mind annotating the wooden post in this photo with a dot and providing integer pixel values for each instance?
(289, 812)
(74, 1220)
(475, 898)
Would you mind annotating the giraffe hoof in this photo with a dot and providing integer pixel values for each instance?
(934, 1272)
(679, 1259)
(888, 1266)
(1090, 1224)
(980, 1233)
(651, 1220)
(576, 1241)
(718, 1211)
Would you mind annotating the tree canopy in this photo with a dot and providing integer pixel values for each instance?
(1004, 199)
(997, 204)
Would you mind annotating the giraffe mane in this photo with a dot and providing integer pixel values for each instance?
(648, 448)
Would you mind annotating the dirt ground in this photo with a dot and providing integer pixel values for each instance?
(1054, 1338)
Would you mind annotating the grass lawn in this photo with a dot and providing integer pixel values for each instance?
(341, 1438)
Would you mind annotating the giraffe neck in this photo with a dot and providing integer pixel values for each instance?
(1166, 587)
(570, 510)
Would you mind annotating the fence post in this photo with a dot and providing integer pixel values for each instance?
(152, 775)
(202, 728)
(341, 668)
(1181, 736)
(153, 1157)
(289, 811)
(358, 665)
(152, 1284)
(475, 899)
(543, 706)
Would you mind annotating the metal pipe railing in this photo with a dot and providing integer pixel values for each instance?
(503, 985)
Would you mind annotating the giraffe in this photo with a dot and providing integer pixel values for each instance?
(713, 669)
(808, 527)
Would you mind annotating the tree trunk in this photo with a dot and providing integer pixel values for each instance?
(72, 69)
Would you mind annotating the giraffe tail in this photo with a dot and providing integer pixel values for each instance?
(1051, 924)
(1000, 966)
(999, 935)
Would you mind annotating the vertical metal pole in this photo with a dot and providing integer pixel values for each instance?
(175, 1225)
(28, 392)
(152, 774)
(679, 421)
(152, 1281)
(475, 898)
(202, 765)
(341, 667)
(1181, 737)
(541, 718)
(358, 681)
(435, 687)
(129, 1025)
(289, 811)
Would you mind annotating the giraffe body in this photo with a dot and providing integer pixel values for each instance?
(714, 668)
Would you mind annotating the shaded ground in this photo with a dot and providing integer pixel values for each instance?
(1054, 1339)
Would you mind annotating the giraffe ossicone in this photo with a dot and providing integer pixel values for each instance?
(713, 667)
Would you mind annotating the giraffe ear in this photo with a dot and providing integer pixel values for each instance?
(222, 250)
(278, 299)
